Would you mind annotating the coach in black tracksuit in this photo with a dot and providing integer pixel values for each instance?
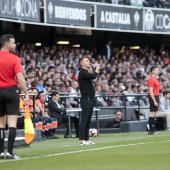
(87, 97)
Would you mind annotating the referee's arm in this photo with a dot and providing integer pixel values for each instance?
(22, 84)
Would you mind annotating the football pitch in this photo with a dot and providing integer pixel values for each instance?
(120, 151)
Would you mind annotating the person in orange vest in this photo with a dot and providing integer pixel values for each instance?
(20, 121)
(52, 123)
(38, 114)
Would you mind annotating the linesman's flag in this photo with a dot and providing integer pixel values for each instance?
(29, 128)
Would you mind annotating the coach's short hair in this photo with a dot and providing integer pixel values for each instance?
(81, 59)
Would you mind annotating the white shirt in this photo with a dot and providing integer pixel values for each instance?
(164, 104)
(108, 51)
(59, 105)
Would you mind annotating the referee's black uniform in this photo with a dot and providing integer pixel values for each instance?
(87, 101)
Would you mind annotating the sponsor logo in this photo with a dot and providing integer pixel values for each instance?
(50, 9)
(148, 21)
(162, 21)
(18, 7)
(23, 8)
(136, 19)
(70, 13)
(115, 18)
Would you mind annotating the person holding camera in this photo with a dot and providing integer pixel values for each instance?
(57, 110)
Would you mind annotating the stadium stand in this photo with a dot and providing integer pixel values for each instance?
(123, 75)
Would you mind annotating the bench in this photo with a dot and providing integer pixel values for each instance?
(133, 126)
(19, 140)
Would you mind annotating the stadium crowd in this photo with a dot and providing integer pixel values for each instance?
(124, 71)
(146, 3)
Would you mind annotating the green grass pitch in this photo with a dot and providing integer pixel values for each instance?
(121, 151)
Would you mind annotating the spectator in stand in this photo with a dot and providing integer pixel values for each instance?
(143, 100)
(28, 82)
(30, 72)
(115, 1)
(160, 3)
(149, 3)
(126, 64)
(105, 94)
(164, 85)
(109, 98)
(107, 50)
(63, 92)
(164, 107)
(73, 99)
(74, 87)
(49, 81)
(167, 3)
(99, 100)
(40, 86)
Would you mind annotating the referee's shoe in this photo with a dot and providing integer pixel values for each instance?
(2, 155)
(153, 133)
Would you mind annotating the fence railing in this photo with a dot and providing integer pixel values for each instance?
(123, 98)
(140, 101)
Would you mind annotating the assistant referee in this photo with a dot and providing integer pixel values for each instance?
(153, 90)
(85, 80)
(10, 77)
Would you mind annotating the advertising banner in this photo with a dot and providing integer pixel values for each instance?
(27, 10)
(68, 13)
(156, 20)
(118, 17)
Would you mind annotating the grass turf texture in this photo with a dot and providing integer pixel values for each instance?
(128, 151)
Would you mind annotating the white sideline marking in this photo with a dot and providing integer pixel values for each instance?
(80, 151)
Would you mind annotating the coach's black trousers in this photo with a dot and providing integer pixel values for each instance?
(85, 118)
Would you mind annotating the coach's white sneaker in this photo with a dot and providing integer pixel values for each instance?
(12, 156)
(85, 143)
(90, 142)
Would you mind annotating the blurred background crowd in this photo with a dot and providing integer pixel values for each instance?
(124, 71)
(146, 3)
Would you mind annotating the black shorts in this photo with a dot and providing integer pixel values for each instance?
(9, 101)
(153, 108)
